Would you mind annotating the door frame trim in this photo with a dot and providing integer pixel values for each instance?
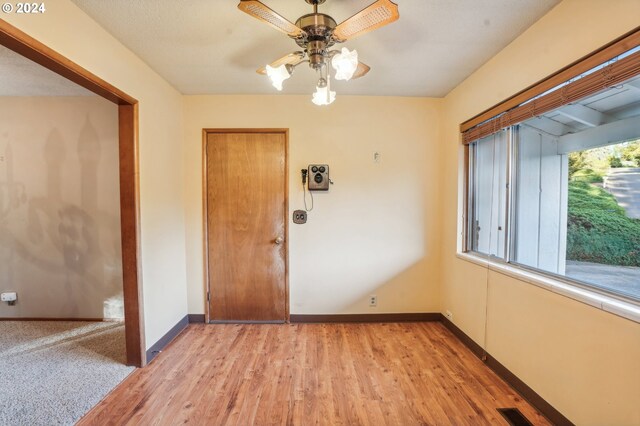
(27, 46)
(207, 284)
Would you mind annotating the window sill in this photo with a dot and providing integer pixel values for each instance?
(614, 306)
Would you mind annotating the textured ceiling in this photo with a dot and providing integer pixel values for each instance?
(23, 77)
(210, 47)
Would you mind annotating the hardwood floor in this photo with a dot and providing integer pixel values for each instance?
(304, 374)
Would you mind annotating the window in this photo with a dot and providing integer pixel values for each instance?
(554, 183)
(488, 202)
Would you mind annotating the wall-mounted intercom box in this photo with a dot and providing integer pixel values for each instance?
(318, 177)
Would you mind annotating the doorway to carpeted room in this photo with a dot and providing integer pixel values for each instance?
(53, 372)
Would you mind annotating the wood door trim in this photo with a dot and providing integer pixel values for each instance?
(130, 230)
(27, 46)
(275, 130)
(207, 286)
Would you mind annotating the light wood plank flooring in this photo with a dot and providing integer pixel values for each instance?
(307, 374)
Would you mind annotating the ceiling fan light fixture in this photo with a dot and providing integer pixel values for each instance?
(323, 96)
(316, 33)
(278, 75)
(345, 63)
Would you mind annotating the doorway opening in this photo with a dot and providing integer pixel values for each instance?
(28, 47)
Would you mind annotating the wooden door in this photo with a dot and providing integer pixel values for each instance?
(246, 226)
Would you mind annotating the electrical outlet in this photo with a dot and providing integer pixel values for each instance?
(373, 300)
(448, 315)
(9, 297)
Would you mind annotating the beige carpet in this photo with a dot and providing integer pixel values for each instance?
(52, 373)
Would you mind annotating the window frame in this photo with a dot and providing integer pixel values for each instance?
(507, 263)
(510, 225)
(471, 199)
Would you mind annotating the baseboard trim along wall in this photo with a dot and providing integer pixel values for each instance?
(555, 416)
(331, 318)
(60, 319)
(196, 318)
(159, 346)
(461, 335)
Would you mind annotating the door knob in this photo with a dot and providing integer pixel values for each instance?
(279, 240)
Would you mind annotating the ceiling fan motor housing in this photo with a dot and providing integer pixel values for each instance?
(316, 50)
(318, 28)
(316, 33)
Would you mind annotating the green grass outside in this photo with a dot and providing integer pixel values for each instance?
(588, 175)
(599, 230)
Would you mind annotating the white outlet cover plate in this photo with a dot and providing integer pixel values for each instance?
(8, 297)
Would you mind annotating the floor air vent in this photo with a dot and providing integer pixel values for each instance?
(514, 417)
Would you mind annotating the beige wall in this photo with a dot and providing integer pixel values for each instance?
(374, 232)
(60, 207)
(68, 30)
(389, 228)
(584, 361)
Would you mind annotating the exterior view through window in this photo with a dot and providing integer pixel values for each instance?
(560, 192)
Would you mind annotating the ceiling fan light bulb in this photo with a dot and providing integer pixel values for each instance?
(278, 75)
(323, 96)
(345, 63)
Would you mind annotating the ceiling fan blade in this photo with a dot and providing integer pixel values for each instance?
(291, 59)
(260, 11)
(361, 71)
(374, 16)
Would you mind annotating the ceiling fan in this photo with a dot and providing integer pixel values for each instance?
(316, 33)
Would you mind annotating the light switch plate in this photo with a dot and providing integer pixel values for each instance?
(299, 217)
